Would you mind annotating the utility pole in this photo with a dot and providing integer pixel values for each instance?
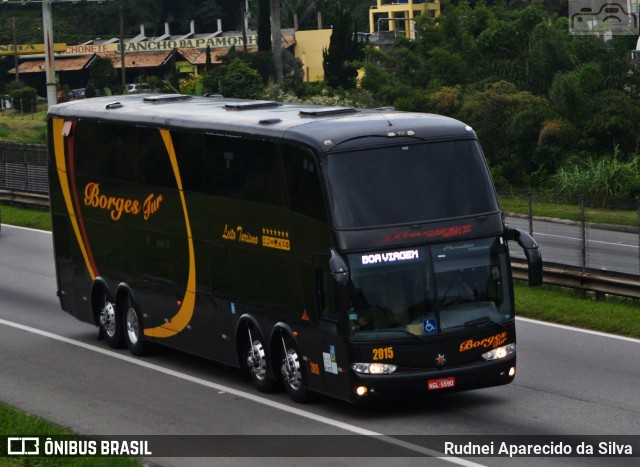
(245, 24)
(276, 40)
(15, 48)
(47, 28)
(122, 64)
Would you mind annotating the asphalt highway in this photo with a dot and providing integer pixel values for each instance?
(569, 382)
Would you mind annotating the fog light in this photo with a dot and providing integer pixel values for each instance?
(500, 352)
(361, 390)
(512, 371)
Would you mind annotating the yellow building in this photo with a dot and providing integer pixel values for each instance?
(391, 15)
(398, 15)
(309, 46)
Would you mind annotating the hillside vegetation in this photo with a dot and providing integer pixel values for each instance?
(555, 112)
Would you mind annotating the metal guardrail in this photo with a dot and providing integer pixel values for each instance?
(590, 281)
(24, 198)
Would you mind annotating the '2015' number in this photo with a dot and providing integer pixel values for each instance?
(383, 353)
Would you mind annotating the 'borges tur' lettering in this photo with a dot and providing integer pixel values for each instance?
(118, 205)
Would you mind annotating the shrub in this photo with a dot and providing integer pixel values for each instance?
(604, 180)
(26, 97)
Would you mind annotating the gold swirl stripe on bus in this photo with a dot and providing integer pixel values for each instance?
(69, 196)
(184, 314)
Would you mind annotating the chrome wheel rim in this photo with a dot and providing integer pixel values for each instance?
(133, 325)
(108, 319)
(257, 360)
(291, 369)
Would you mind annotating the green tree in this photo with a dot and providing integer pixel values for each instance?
(102, 73)
(240, 80)
(339, 59)
(508, 123)
(207, 62)
(264, 26)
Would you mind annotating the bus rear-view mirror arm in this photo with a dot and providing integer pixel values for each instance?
(339, 268)
(532, 253)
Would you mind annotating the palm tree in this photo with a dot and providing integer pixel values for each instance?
(276, 40)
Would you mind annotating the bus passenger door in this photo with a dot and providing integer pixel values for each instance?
(225, 310)
(331, 327)
(64, 265)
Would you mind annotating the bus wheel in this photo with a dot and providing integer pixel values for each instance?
(110, 325)
(292, 372)
(257, 363)
(133, 330)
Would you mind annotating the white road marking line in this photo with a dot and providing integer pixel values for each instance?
(252, 397)
(584, 331)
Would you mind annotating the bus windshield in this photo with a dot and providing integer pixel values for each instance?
(438, 180)
(428, 290)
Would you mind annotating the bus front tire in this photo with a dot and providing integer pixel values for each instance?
(293, 372)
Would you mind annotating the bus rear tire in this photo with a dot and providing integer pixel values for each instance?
(110, 326)
(293, 373)
(133, 329)
(257, 364)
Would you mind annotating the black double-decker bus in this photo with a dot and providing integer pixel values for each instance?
(354, 253)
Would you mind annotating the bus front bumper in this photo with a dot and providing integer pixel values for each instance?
(479, 375)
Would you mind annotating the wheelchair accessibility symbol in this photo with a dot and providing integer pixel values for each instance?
(430, 326)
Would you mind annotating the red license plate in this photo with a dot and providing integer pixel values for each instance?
(441, 383)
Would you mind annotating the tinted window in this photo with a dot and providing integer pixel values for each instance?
(408, 184)
(129, 153)
(238, 168)
(303, 182)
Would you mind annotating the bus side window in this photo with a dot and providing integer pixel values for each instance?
(303, 182)
(242, 169)
(189, 149)
(325, 302)
(324, 295)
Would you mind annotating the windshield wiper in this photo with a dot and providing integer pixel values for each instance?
(481, 322)
(390, 330)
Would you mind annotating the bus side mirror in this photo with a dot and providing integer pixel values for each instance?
(531, 251)
(339, 269)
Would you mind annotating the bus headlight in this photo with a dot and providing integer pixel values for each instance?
(500, 352)
(374, 368)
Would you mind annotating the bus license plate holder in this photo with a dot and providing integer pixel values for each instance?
(441, 383)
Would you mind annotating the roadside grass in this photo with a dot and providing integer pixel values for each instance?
(615, 315)
(23, 128)
(33, 218)
(520, 205)
(15, 422)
